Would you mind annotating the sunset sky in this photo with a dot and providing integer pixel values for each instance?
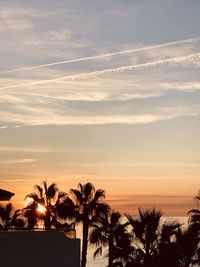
(103, 91)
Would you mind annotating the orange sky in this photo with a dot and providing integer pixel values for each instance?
(96, 91)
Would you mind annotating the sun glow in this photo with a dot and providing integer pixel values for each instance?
(41, 209)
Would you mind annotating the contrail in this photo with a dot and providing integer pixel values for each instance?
(84, 75)
(123, 52)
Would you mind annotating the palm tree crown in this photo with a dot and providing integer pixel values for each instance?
(9, 217)
(111, 232)
(50, 197)
(152, 239)
(89, 208)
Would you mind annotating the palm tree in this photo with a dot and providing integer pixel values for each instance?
(145, 231)
(167, 245)
(89, 208)
(194, 219)
(49, 197)
(111, 232)
(9, 217)
(187, 241)
(153, 239)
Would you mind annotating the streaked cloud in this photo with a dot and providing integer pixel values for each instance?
(48, 116)
(63, 34)
(14, 21)
(27, 149)
(17, 161)
(176, 60)
(170, 205)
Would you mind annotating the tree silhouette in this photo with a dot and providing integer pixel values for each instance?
(153, 240)
(194, 218)
(186, 245)
(89, 208)
(111, 232)
(51, 198)
(167, 245)
(145, 231)
(10, 217)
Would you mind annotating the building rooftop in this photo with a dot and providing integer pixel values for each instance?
(5, 195)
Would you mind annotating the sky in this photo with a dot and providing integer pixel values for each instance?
(102, 91)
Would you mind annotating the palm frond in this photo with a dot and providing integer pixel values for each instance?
(99, 211)
(80, 186)
(34, 197)
(97, 252)
(77, 194)
(39, 190)
(51, 191)
(99, 195)
(88, 190)
(97, 236)
(197, 211)
(45, 186)
(66, 209)
(168, 229)
(115, 218)
(62, 194)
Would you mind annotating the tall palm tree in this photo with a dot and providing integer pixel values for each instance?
(89, 208)
(145, 231)
(111, 232)
(153, 238)
(49, 197)
(9, 217)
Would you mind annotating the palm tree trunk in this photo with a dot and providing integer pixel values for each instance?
(147, 255)
(85, 242)
(110, 256)
(47, 223)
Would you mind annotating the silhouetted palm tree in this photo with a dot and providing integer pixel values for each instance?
(187, 241)
(154, 241)
(89, 208)
(10, 217)
(145, 231)
(111, 232)
(194, 219)
(50, 198)
(167, 245)
(194, 225)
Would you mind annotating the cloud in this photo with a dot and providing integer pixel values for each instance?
(175, 60)
(63, 34)
(27, 149)
(60, 35)
(53, 117)
(12, 20)
(17, 161)
(170, 205)
(129, 85)
(17, 24)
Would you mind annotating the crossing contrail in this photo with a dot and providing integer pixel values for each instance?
(85, 75)
(122, 52)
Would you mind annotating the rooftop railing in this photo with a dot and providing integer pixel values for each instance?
(70, 233)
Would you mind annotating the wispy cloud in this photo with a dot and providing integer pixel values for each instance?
(66, 33)
(27, 149)
(52, 118)
(17, 161)
(171, 205)
(175, 60)
(14, 19)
